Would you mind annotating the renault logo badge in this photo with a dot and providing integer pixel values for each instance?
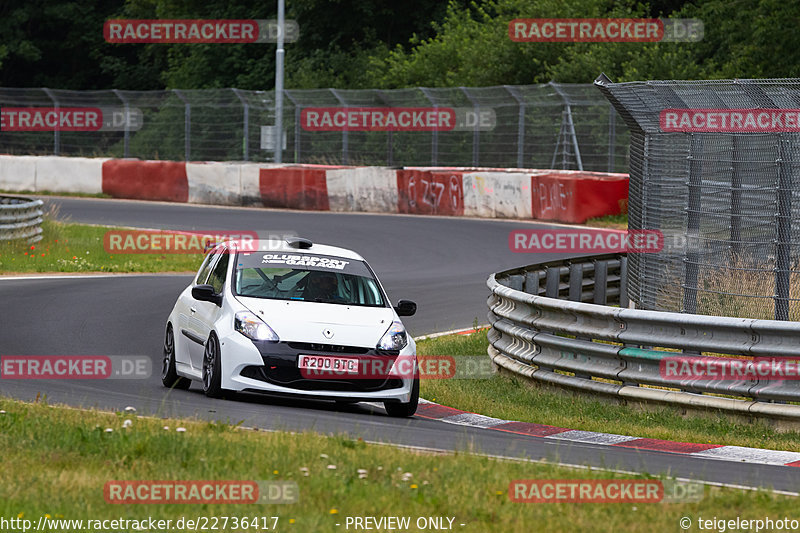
(328, 333)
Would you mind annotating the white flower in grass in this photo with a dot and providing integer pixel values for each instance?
(323, 456)
(130, 409)
(127, 423)
(331, 467)
(406, 476)
(304, 470)
(362, 470)
(2, 412)
(109, 430)
(166, 428)
(180, 430)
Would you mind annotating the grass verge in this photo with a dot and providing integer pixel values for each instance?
(609, 221)
(55, 193)
(69, 247)
(57, 460)
(514, 398)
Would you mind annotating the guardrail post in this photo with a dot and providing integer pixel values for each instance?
(575, 281)
(532, 282)
(624, 302)
(552, 282)
(600, 282)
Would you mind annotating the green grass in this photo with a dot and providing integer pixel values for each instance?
(68, 247)
(515, 398)
(56, 193)
(57, 460)
(609, 221)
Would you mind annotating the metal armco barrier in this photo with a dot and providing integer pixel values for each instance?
(20, 218)
(557, 323)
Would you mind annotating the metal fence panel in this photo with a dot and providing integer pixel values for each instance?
(726, 201)
(532, 126)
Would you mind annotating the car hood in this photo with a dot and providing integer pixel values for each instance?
(347, 325)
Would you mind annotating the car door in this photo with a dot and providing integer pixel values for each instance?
(207, 313)
(189, 327)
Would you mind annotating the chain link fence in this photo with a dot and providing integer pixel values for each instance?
(532, 126)
(722, 185)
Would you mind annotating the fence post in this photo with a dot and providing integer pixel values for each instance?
(692, 258)
(570, 125)
(56, 131)
(297, 112)
(520, 124)
(187, 121)
(389, 134)
(246, 125)
(783, 232)
(345, 136)
(476, 132)
(435, 134)
(612, 137)
(127, 134)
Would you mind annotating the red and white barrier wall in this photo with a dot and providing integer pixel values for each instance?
(558, 195)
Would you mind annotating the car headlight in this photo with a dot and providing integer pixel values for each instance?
(252, 327)
(395, 338)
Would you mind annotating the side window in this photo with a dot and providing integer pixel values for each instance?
(217, 277)
(205, 269)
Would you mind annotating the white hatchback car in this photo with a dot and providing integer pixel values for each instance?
(292, 317)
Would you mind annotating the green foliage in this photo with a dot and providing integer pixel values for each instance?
(354, 44)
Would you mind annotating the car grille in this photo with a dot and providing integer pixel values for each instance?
(291, 378)
(329, 348)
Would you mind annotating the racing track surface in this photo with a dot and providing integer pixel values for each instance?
(441, 263)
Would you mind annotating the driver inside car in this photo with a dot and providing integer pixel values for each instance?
(322, 286)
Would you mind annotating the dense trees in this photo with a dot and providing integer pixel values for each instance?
(387, 44)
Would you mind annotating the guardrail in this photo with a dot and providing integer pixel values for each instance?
(556, 323)
(20, 218)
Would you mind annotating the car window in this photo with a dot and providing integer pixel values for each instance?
(217, 277)
(308, 285)
(205, 268)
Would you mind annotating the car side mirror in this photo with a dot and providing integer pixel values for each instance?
(205, 293)
(405, 308)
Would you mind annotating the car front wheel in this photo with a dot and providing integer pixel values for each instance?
(212, 369)
(404, 410)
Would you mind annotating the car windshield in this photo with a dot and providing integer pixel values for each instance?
(307, 278)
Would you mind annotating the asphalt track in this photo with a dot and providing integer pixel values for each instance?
(442, 263)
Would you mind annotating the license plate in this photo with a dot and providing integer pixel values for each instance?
(326, 363)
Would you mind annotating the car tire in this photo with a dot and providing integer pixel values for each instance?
(404, 410)
(212, 369)
(169, 376)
